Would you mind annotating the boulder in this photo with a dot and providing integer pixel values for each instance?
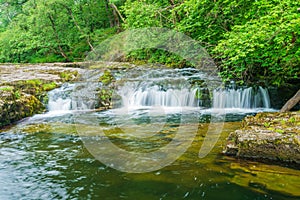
(267, 136)
(16, 106)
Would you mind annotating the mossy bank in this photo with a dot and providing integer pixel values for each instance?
(267, 136)
(23, 88)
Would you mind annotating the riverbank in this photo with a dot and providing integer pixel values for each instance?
(23, 88)
(267, 136)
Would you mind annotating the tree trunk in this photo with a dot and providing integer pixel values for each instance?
(107, 9)
(117, 11)
(291, 103)
(86, 35)
(116, 18)
(57, 38)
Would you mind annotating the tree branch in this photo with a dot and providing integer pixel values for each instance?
(291, 103)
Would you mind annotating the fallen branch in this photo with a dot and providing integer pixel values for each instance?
(291, 103)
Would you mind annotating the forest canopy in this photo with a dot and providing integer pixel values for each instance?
(249, 40)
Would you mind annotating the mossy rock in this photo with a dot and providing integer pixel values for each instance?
(105, 93)
(21, 96)
(68, 75)
(13, 109)
(267, 136)
(107, 78)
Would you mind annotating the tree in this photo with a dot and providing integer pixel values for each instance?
(54, 30)
(264, 49)
(9, 9)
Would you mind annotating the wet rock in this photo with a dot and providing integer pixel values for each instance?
(23, 88)
(261, 177)
(107, 78)
(105, 94)
(15, 107)
(271, 136)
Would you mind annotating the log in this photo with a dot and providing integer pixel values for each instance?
(291, 103)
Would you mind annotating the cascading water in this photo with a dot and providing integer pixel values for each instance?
(165, 88)
(70, 97)
(75, 96)
(162, 88)
(59, 99)
(241, 98)
(157, 96)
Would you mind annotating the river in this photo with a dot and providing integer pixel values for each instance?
(64, 153)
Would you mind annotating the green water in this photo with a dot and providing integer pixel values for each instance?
(47, 156)
(49, 161)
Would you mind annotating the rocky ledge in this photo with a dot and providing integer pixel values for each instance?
(23, 88)
(267, 136)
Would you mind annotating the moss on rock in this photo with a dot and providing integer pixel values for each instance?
(106, 92)
(24, 88)
(271, 136)
(13, 108)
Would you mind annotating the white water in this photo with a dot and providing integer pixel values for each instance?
(161, 88)
(154, 96)
(241, 98)
(59, 99)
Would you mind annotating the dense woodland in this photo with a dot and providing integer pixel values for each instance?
(250, 40)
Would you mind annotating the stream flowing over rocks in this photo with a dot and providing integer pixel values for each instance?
(140, 109)
(23, 88)
(272, 136)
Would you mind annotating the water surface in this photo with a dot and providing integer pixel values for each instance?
(44, 157)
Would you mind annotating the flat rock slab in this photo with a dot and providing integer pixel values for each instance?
(47, 72)
(24, 87)
(267, 136)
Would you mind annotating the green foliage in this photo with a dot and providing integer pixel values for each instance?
(47, 58)
(17, 94)
(7, 88)
(251, 41)
(53, 30)
(33, 82)
(141, 14)
(151, 13)
(265, 49)
(157, 56)
(68, 75)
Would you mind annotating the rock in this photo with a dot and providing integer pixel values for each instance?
(267, 136)
(107, 78)
(13, 108)
(44, 72)
(23, 88)
(106, 96)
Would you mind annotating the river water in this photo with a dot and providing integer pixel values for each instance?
(50, 156)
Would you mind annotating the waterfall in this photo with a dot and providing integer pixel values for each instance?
(265, 97)
(75, 96)
(164, 87)
(59, 99)
(79, 96)
(154, 96)
(241, 98)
